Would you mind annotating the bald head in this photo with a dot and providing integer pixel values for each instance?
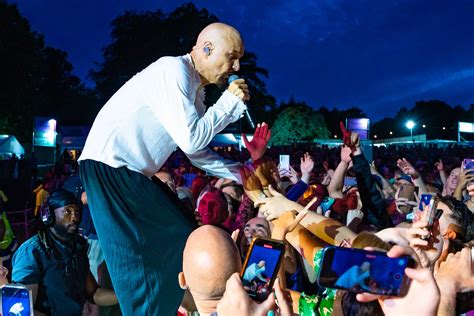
(217, 52)
(256, 227)
(218, 33)
(210, 257)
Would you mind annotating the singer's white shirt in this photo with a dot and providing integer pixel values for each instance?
(159, 109)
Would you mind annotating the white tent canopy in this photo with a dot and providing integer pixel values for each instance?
(9, 145)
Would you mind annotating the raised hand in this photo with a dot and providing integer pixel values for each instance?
(274, 206)
(306, 166)
(266, 173)
(251, 183)
(258, 145)
(291, 174)
(346, 135)
(428, 250)
(288, 221)
(465, 177)
(439, 165)
(350, 139)
(346, 154)
(407, 168)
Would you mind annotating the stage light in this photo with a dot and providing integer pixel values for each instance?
(410, 124)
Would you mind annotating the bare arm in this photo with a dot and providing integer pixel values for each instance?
(442, 174)
(408, 169)
(337, 180)
(388, 189)
(100, 296)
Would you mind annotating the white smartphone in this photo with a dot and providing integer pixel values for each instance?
(285, 162)
(16, 300)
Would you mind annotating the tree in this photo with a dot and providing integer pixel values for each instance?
(298, 123)
(138, 39)
(38, 79)
(433, 114)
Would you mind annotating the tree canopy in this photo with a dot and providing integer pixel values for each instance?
(138, 39)
(434, 114)
(298, 122)
(38, 79)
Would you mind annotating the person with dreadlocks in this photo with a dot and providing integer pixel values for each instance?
(54, 263)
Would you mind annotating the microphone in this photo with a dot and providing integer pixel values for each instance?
(247, 114)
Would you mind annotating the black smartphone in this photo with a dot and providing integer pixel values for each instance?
(16, 300)
(358, 270)
(261, 267)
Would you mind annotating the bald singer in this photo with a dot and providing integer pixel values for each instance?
(139, 223)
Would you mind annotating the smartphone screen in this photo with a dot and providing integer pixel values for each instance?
(261, 267)
(468, 164)
(350, 182)
(359, 271)
(16, 300)
(285, 162)
(424, 200)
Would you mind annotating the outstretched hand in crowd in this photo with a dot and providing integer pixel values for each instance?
(258, 145)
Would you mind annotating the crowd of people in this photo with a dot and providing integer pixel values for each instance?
(164, 233)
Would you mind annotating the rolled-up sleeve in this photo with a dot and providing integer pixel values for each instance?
(211, 162)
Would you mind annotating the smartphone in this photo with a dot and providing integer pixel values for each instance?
(358, 270)
(424, 200)
(429, 208)
(261, 267)
(406, 191)
(350, 182)
(327, 203)
(285, 162)
(16, 300)
(468, 164)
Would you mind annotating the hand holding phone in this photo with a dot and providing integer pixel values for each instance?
(468, 164)
(360, 271)
(285, 162)
(422, 297)
(261, 267)
(405, 198)
(428, 211)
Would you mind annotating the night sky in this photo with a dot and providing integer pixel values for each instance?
(378, 55)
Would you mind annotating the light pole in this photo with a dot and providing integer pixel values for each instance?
(410, 124)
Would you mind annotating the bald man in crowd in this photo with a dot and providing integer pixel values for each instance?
(139, 223)
(209, 266)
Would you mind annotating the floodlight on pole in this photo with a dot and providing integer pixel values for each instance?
(410, 124)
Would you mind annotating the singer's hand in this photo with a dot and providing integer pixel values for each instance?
(240, 89)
